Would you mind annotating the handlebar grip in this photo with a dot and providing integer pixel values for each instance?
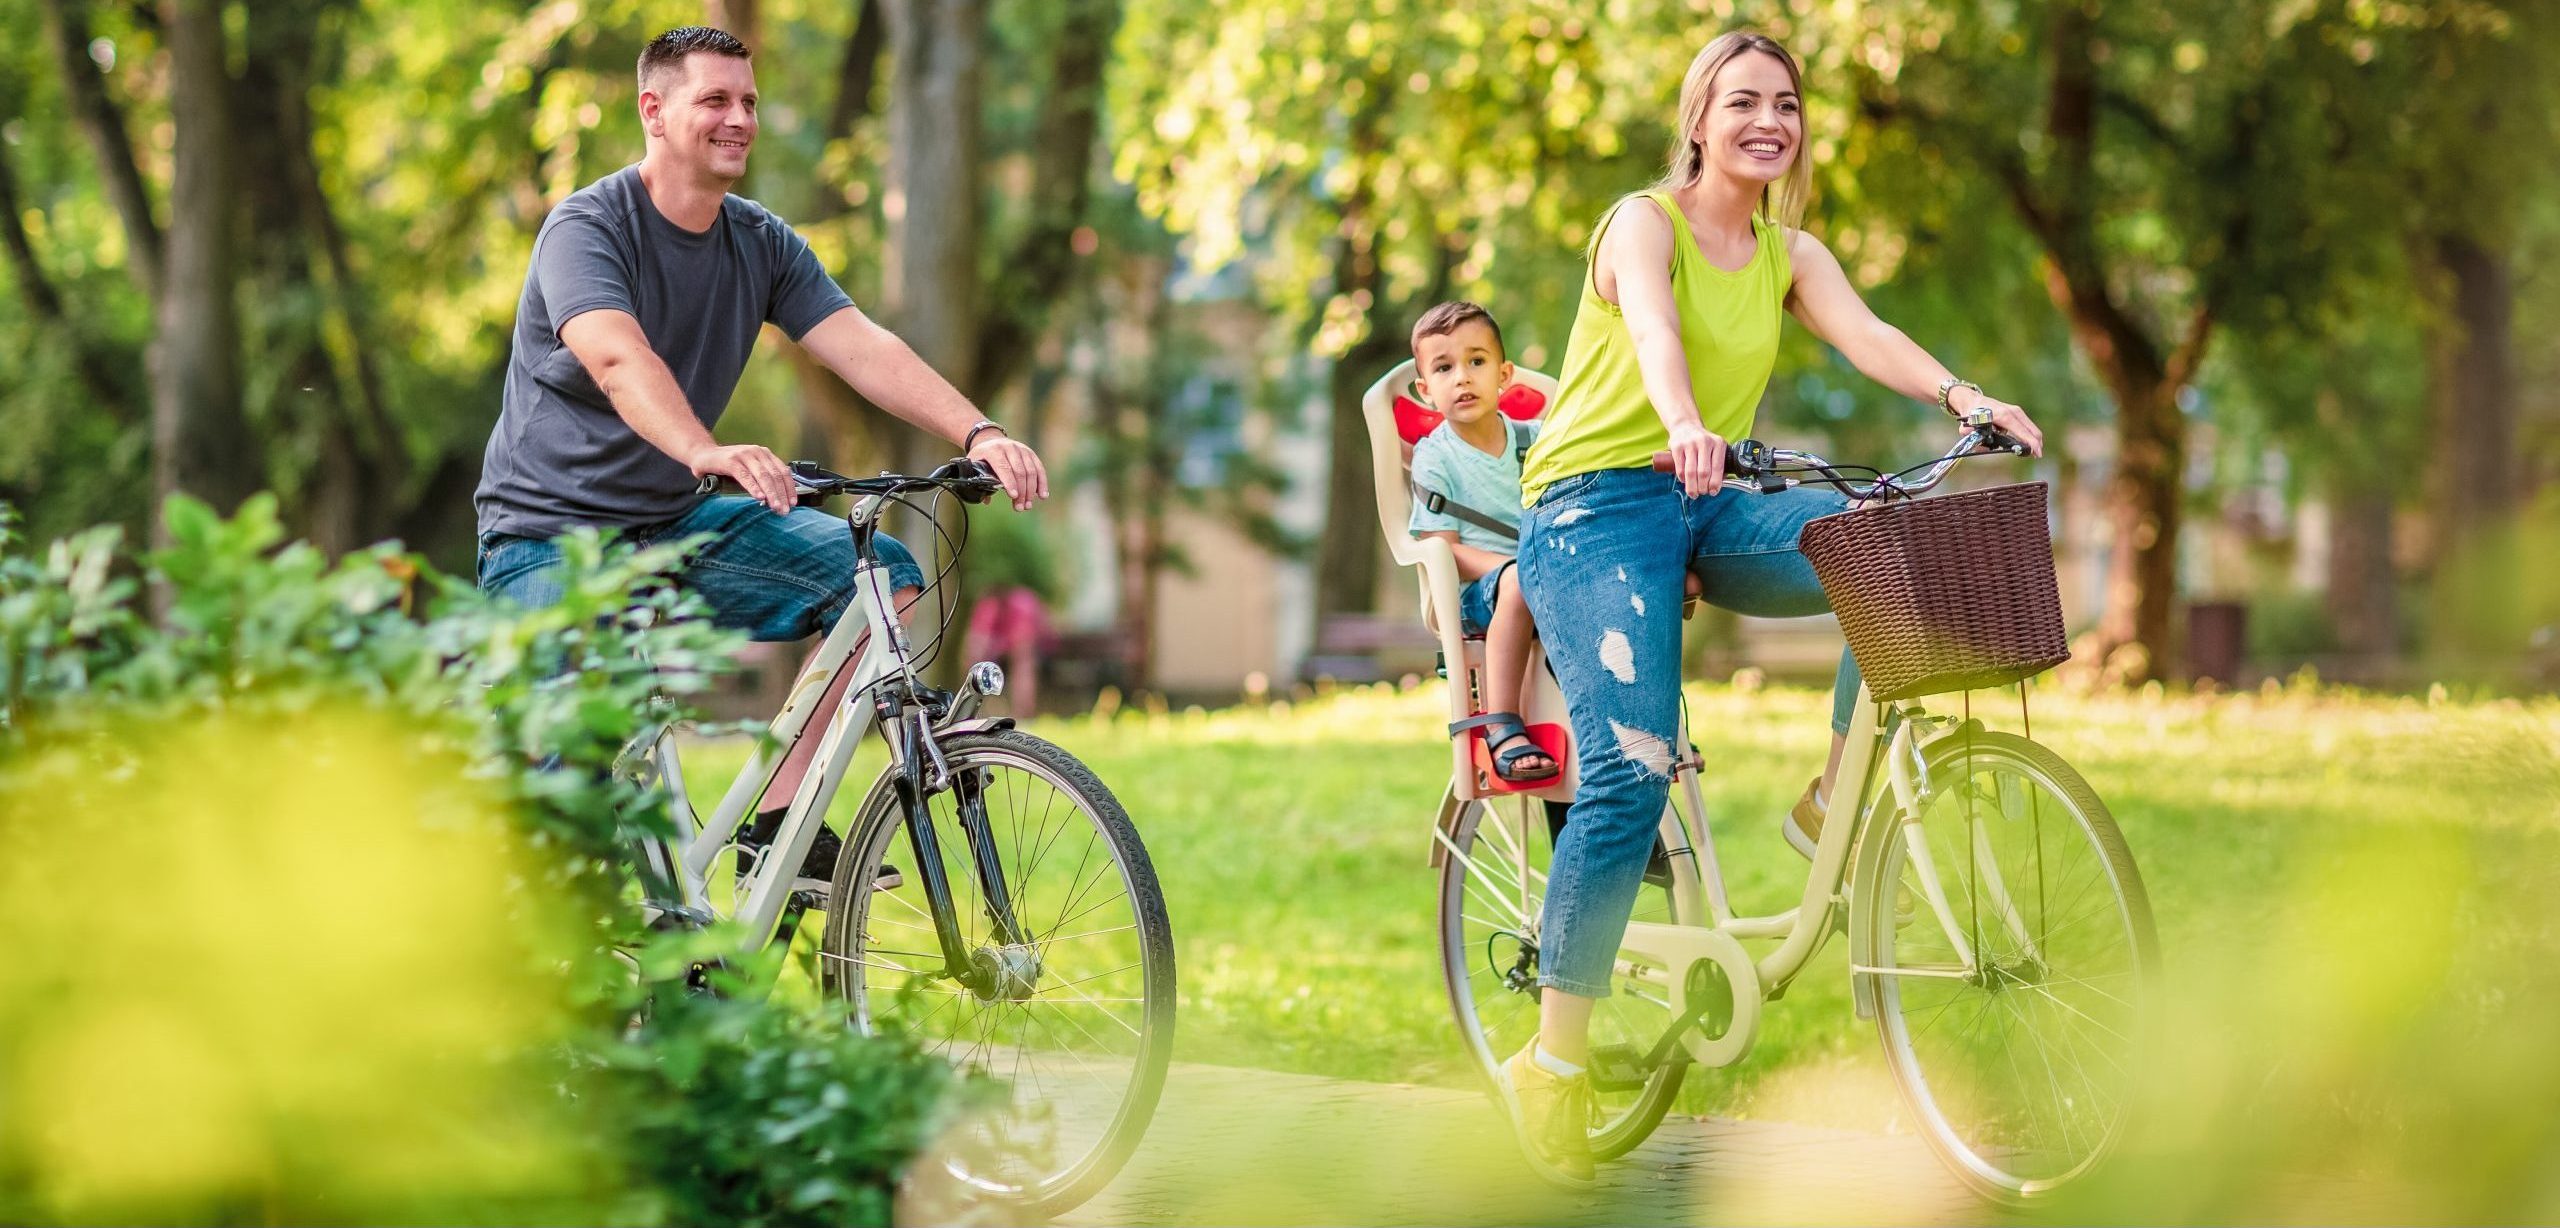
(972, 480)
(1996, 440)
(1736, 462)
(722, 484)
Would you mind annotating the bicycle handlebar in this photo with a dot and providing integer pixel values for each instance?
(968, 480)
(1775, 469)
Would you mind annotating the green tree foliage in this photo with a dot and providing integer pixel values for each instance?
(404, 157)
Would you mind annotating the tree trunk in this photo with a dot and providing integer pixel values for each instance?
(859, 73)
(1035, 272)
(741, 18)
(337, 501)
(1347, 550)
(2137, 634)
(2473, 597)
(1142, 554)
(104, 124)
(930, 288)
(200, 439)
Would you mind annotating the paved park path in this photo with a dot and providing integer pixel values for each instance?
(1236, 1146)
(1250, 1147)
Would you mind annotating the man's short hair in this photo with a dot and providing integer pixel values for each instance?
(1446, 318)
(666, 52)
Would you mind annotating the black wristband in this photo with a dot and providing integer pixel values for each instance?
(984, 424)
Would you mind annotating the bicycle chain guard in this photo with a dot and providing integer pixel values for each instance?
(1729, 982)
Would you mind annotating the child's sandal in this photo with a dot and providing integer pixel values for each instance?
(1502, 729)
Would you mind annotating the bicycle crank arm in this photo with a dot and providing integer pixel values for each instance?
(1709, 1001)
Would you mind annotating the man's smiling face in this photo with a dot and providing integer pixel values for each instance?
(704, 114)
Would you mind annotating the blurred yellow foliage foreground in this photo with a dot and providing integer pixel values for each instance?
(265, 965)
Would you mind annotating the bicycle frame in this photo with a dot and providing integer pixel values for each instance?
(684, 865)
(1669, 954)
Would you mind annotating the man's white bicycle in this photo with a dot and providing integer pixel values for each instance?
(1026, 937)
(1998, 931)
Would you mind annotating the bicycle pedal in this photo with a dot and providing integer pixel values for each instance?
(1617, 1068)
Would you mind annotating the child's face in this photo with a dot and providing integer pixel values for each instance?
(1462, 371)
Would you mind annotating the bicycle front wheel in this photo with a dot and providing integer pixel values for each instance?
(1074, 1008)
(2013, 962)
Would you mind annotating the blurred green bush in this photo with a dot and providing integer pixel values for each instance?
(302, 929)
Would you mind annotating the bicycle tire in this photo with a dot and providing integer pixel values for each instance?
(1952, 761)
(876, 826)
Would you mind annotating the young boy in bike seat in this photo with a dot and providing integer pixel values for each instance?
(1466, 491)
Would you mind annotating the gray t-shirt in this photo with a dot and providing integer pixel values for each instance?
(1461, 471)
(559, 456)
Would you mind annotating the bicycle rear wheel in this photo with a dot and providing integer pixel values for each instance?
(1493, 882)
(2015, 1020)
(1077, 1015)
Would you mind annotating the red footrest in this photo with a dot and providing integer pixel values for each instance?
(1549, 738)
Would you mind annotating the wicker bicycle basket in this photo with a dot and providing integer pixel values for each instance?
(1943, 594)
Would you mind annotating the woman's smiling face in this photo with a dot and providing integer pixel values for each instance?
(1754, 120)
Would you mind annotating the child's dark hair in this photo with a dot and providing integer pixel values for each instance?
(1446, 318)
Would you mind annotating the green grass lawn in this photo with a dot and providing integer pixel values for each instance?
(2351, 893)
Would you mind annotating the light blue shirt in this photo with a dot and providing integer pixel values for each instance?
(1463, 473)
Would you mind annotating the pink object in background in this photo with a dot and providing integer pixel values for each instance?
(1012, 624)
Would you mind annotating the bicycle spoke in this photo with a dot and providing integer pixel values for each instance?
(1117, 929)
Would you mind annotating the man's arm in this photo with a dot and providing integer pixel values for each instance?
(616, 354)
(887, 373)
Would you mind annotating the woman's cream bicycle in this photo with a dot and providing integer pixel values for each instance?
(1998, 931)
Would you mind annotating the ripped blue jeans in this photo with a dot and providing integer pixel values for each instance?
(1601, 557)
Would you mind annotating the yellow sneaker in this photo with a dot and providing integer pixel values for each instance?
(1803, 825)
(1552, 1115)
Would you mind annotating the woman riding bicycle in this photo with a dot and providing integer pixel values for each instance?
(1671, 348)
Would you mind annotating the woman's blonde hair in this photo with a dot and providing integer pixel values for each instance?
(1783, 201)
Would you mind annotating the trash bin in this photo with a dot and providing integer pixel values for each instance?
(2217, 640)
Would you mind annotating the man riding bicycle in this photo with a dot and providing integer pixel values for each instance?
(646, 293)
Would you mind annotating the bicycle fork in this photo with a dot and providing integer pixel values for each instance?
(1009, 968)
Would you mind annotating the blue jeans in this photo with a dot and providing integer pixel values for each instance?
(777, 578)
(1601, 558)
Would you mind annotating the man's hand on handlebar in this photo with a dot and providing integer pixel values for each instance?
(1015, 465)
(1697, 459)
(755, 469)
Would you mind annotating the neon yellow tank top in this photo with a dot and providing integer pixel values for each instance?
(1729, 322)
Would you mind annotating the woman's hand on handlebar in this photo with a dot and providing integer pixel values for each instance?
(756, 470)
(1015, 465)
(1697, 459)
(2008, 418)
